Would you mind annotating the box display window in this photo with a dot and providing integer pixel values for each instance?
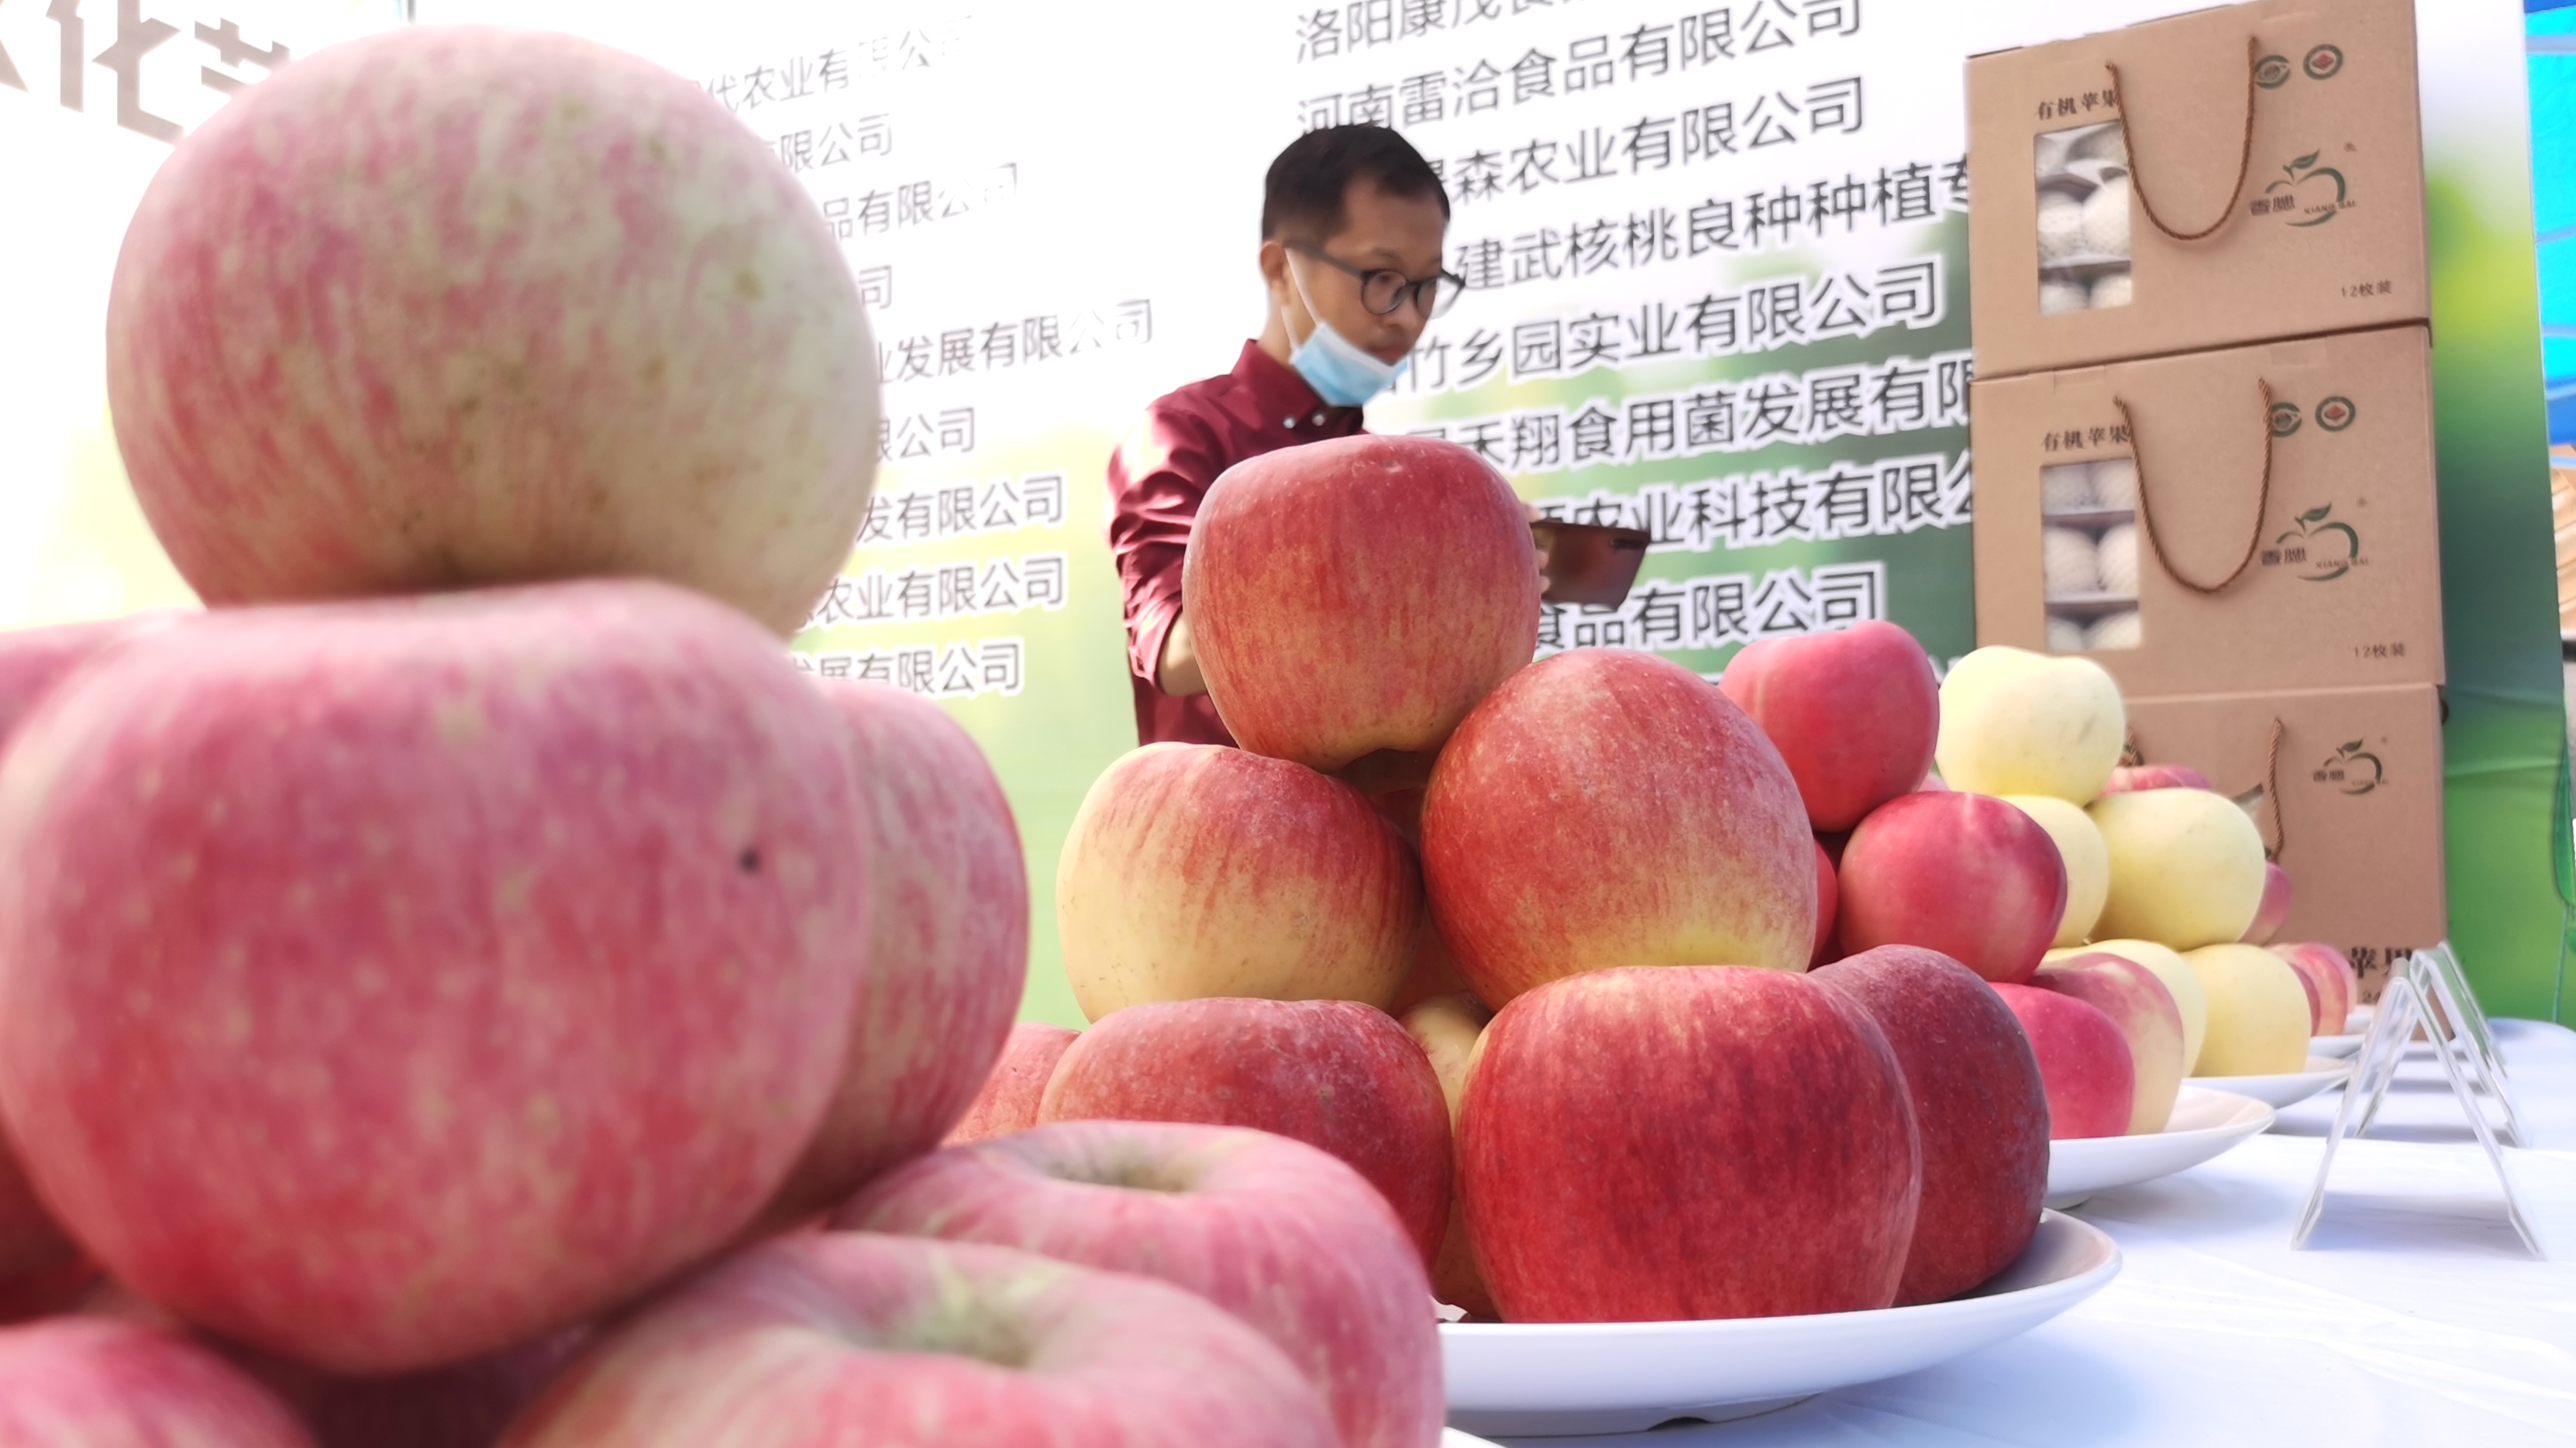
(2083, 218)
(2088, 550)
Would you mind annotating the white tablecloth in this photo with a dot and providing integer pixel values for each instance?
(2413, 1316)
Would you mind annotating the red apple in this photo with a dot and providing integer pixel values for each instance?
(458, 305)
(1655, 1144)
(34, 1253)
(1281, 1235)
(530, 909)
(1827, 894)
(1967, 875)
(2128, 778)
(1854, 713)
(1609, 808)
(1333, 1074)
(88, 1382)
(1979, 1107)
(2150, 1020)
(1358, 594)
(856, 1338)
(34, 660)
(46, 1291)
(1009, 1100)
(2275, 907)
(2083, 1058)
(947, 955)
(2331, 981)
(1194, 870)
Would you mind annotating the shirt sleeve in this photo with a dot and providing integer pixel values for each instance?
(1157, 478)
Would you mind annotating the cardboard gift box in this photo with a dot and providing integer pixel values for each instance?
(2353, 799)
(2292, 481)
(2148, 215)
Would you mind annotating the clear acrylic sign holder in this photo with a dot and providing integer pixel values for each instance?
(2427, 989)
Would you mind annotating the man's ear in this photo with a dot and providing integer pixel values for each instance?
(1274, 264)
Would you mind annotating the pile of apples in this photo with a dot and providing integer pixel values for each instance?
(1721, 1002)
(468, 987)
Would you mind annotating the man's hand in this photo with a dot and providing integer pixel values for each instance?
(1177, 672)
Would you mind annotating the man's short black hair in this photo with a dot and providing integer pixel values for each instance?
(1308, 182)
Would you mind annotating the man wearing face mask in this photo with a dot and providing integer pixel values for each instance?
(1352, 225)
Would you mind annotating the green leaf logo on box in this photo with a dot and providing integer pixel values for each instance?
(2302, 190)
(2352, 769)
(2321, 547)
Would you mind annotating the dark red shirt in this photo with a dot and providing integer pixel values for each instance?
(1156, 479)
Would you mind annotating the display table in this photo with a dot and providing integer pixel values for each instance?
(2414, 1315)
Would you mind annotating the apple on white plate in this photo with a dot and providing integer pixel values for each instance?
(2204, 1123)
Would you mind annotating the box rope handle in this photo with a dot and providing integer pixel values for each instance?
(2147, 512)
(2138, 174)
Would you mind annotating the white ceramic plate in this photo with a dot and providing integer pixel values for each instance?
(2204, 1123)
(1452, 1438)
(2286, 1090)
(1543, 1379)
(2336, 1048)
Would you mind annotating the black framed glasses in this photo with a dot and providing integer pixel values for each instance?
(1383, 289)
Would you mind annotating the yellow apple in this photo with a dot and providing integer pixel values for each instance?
(2178, 977)
(2088, 861)
(2015, 722)
(2186, 867)
(1451, 1031)
(2258, 1012)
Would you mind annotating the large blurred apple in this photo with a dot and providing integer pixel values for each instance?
(2144, 1010)
(2330, 973)
(2186, 867)
(947, 950)
(1609, 808)
(1194, 870)
(1008, 1100)
(1358, 594)
(2080, 849)
(1333, 1074)
(2173, 972)
(93, 1382)
(1447, 1028)
(34, 660)
(2258, 1012)
(1854, 714)
(1980, 1109)
(2014, 722)
(858, 1338)
(326, 929)
(1650, 1145)
(1281, 1235)
(2092, 1081)
(458, 305)
(1967, 875)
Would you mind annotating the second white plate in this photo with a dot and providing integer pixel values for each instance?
(2338, 1048)
(2204, 1123)
(1540, 1379)
(2288, 1089)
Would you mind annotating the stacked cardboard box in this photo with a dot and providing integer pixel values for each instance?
(2202, 419)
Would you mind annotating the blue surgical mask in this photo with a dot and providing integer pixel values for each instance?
(1340, 373)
